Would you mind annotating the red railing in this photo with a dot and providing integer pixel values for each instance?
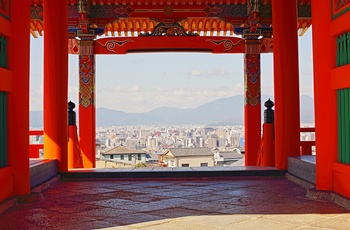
(35, 148)
(306, 146)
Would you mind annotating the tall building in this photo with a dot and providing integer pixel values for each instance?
(131, 143)
(213, 141)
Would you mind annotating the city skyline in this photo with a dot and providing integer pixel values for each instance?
(142, 82)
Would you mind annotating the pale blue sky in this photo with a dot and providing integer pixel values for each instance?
(142, 82)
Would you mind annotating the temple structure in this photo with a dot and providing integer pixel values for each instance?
(115, 27)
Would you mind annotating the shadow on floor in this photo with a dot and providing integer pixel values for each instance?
(247, 203)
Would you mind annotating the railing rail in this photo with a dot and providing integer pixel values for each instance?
(34, 149)
(306, 146)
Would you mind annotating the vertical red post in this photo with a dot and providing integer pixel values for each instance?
(56, 81)
(252, 105)
(74, 157)
(286, 80)
(325, 97)
(87, 110)
(18, 97)
(269, 145)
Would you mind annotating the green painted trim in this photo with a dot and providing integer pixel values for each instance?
(343, 96)
(343, 130)
(339, 125)
(334, 16)
(3, 129)
(346, 125)
(3, 52)
(6, 54)
(8, 14)
(337, 61)
(348, 45)
(341, 50)
(345, 59)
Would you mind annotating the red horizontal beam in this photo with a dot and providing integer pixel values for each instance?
(307, 143)
(307, 129)
(169, 44)
(34, 150)
(36, 132)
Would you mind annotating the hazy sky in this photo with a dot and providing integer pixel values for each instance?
(142, 82)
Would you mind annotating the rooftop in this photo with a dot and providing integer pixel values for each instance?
(190, 152)
(120, 150)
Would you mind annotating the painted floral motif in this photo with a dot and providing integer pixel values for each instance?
(87, 80)
(252, 79)
(227, 43)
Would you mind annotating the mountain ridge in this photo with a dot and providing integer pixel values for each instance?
(223, 111)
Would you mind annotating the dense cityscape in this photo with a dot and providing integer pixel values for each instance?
(131, 146)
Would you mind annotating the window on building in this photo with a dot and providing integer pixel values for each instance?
(139, 157)
(122, 157)
(130, 157)
(111, 157)
(185, 165)
(204, 164)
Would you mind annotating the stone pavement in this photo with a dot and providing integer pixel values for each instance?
(236, 203)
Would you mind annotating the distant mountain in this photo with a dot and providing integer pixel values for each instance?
(225, 111)
(36, 119)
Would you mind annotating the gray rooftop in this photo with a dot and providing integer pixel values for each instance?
(231, 155)
(120, 150)
(190, 152)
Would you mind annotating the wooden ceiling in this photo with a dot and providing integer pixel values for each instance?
(124, 18)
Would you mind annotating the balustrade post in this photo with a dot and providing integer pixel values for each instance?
(74, 155)
(267, 152)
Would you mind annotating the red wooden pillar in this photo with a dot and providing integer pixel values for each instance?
(252, 105)
(325, 96)
(286, 80)
(18, 97)
(56, 81)
(87, 110)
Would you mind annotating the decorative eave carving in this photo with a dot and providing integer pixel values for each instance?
(174, 29)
